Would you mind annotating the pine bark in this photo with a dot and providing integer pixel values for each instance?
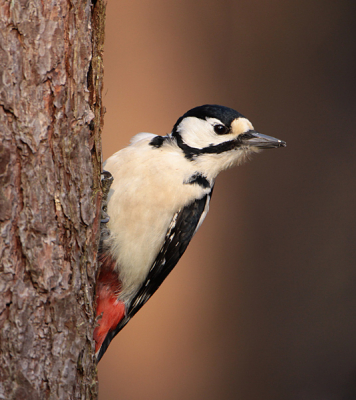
(50, 154)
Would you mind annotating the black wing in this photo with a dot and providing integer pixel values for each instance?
(179, 234)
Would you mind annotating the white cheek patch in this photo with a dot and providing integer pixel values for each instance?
(241, 125)
(199, 133)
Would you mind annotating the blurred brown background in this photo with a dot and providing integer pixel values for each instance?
(263, 303)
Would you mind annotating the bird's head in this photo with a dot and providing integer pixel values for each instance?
(219, 137)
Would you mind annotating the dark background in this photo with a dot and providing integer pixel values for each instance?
(263, 303)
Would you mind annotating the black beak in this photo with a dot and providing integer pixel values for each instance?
(255, 139)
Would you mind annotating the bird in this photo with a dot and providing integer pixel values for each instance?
(159, 197)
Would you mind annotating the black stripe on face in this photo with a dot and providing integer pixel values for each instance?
(198, 179)
(192, 152)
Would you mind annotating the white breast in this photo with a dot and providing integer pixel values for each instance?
(146, 192)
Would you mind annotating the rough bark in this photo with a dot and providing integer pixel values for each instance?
(50, 123)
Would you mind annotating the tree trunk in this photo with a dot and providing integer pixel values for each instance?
(50, 155)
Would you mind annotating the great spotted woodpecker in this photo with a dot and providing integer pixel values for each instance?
(158, 199)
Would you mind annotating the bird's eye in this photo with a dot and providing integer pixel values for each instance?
(220, 129)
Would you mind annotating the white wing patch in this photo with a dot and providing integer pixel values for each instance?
(203, 215)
